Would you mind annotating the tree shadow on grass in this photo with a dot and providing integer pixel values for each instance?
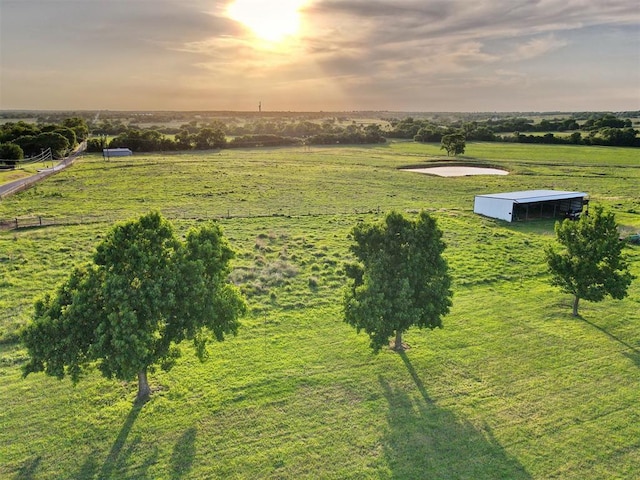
(28, 469)
(425, 441)
(89, 468)
(116, 465)
(634, 357)
(184, 452)
(113, 459)
(633, 354)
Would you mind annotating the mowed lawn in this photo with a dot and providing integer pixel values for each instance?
(512, 387)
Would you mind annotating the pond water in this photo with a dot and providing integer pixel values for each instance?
(458, 171)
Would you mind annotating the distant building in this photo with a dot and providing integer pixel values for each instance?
(530, 204)
(116, 152)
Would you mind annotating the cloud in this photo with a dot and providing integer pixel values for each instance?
(365, 53)
(537, 47)
(451, 35)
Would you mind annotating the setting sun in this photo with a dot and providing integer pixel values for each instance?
(269, 21)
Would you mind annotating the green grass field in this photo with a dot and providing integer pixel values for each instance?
(7, 176)
(512, 387)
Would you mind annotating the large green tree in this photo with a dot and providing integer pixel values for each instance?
(145, 292)
(453, 143)
(69, 134)
(400, 279)
(58, 144)
(210, 137)
(10, 151)
(78, 125)
(590, 264)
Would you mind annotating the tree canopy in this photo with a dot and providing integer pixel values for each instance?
(400, 278)
(10, 151)
(144, 293)
(78, 125)
(590, 264)
(453, 143)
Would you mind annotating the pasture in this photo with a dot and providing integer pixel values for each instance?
(512, 387)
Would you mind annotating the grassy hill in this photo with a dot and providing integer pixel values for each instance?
(512, 387)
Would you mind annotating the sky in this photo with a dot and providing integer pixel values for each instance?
(320, 55)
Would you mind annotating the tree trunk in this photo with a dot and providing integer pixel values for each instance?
(398, 345)
(576, 299)
(143, 386)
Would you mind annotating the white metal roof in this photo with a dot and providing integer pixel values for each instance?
(531, 196)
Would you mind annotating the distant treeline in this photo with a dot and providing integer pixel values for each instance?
(215, 135)
(596, 129)
(19, 140)
(606, 129)
(22, 139)
(157, 117)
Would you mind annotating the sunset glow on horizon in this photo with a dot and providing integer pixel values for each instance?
(312, 55)
(269, 21)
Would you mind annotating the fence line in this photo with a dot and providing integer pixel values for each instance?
(40, 221)
(43, 221)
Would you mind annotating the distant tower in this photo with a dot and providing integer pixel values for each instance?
(260, 106)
